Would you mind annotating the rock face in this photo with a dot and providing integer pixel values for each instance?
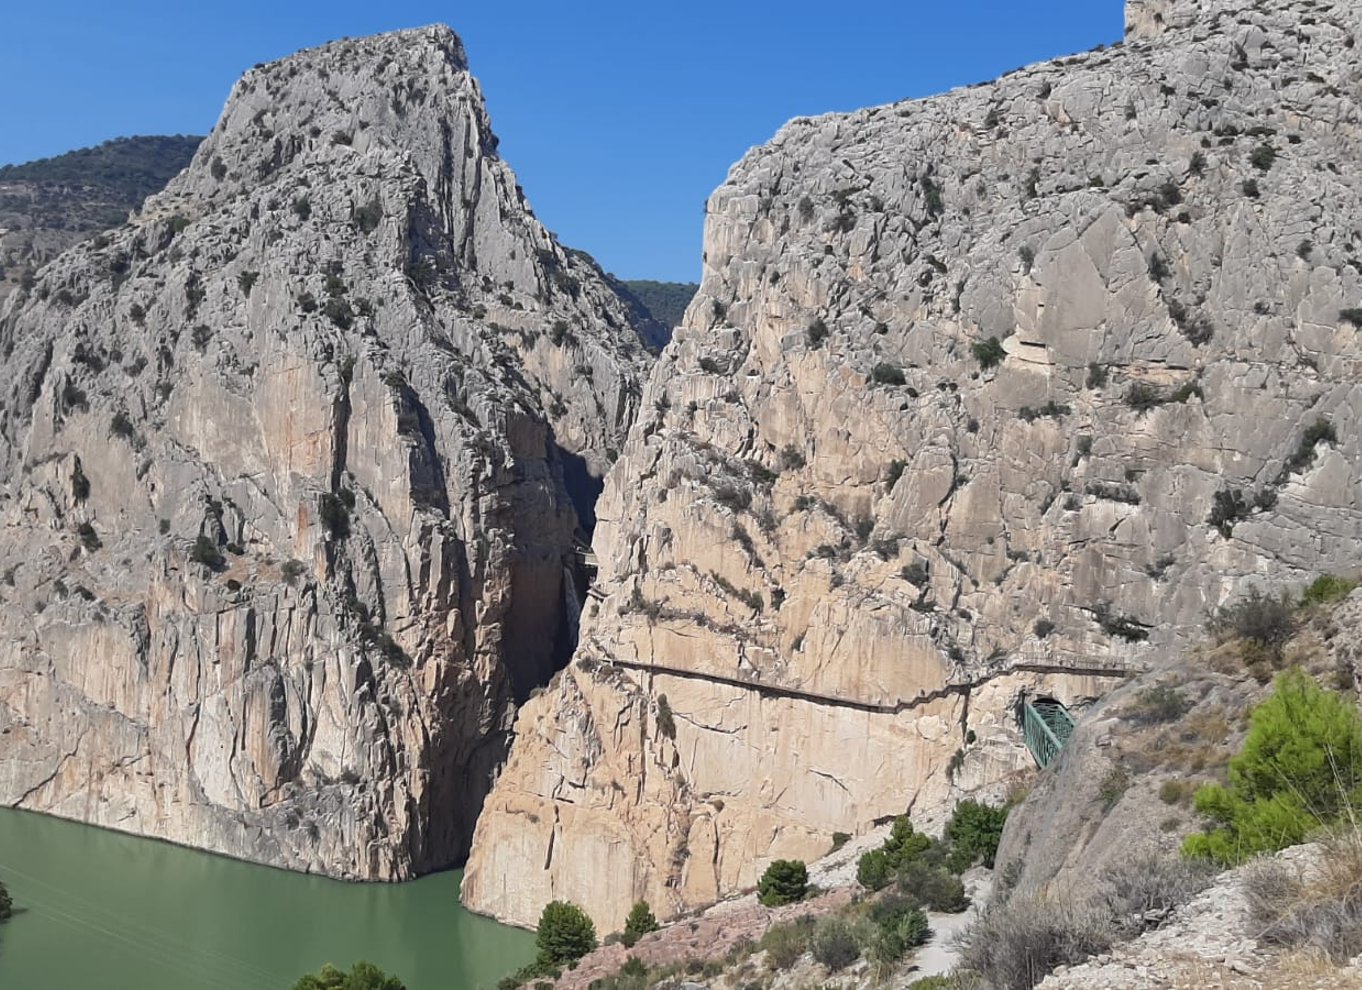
(286, 526)
(980, 394)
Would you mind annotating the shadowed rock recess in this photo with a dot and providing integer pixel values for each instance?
(980, 393)
(284, 531)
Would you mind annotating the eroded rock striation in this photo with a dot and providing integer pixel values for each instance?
(990, 392)
(286, 525)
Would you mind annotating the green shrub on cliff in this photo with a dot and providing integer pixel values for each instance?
(973, 834)
(640, 922)
(879, 866)
(1300, 769)
(784, 882)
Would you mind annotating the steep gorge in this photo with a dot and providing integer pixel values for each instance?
(285, 524)
(980, 394)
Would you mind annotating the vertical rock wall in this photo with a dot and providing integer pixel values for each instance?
(981, 394)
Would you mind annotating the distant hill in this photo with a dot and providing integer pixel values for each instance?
(667, 301)
(50, 204)
(127, 169)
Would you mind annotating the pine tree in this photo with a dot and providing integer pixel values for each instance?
(1300, 768)
(640, 922)
(784, 882)
(565, 933)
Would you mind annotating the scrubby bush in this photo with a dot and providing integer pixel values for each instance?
(6, 903)
(1141, 892)
(835, 945)
(640, 922)
(666, 722)
(89, 539)
(1153, 705)
(1262, 620)
(1327, 588)
(1323, 912)
(899, 926)
(1143, 397)
(1014, 944)
(205, 551)
(1320, 431)
(816, 333)
(1113, 787)
(989, 353)
(785, 942)
(784, 882)
(565, 934)
(1300, 768)
(973, 834)
(1228, 506)
(368, 216)
(874, 871)
(80, 484)
(1263, 157)
(887, 374)
(121, 426)
(927, 882)
(877, 868)
(1175, 791)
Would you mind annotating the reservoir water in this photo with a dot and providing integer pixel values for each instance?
(94, 908)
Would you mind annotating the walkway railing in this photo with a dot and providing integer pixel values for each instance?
(1046, 727)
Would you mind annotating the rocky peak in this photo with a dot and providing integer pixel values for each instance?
(294, 467)
(407, 94)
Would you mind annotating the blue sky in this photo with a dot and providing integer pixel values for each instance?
(620, 118)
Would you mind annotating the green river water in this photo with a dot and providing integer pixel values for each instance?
(98, 909)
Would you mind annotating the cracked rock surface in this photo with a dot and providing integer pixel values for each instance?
(981, 393)
(287, 468)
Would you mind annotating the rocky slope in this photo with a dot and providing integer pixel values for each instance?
(285, 526)
(980, 394)
(47, 206)
(1122, 787)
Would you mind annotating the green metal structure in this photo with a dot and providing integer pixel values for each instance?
(1046, 726)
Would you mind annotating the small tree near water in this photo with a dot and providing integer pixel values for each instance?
(565, 933)
(362, 976)
(6, 904)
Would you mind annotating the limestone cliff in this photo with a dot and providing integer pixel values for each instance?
(285, 525)
(982, 393)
